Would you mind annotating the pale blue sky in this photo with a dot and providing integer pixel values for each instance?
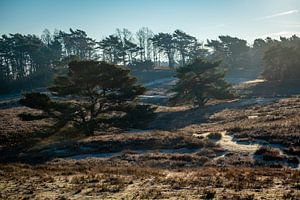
(204, 19)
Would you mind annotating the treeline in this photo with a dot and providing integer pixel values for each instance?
(26, 61)
(29, 61)
(145, 50)
(281, 60)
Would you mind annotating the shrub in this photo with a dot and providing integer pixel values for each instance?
(293, 160)
(30, 117)
(214, 136)
(209, 194)
(269, 154)
(266, 150)
(235, 129)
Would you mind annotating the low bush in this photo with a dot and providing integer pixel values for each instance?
(263, 150)
(30, 117)
(209, 194)
(214, 136)
(235, 129)
(293, 160)
(269, 154)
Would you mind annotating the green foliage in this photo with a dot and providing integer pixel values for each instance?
(60, 67)
(183, 43)
(139, 116)
(209, 194)
(214, 136)
(25, 62)
(119, 48)
(41, 78)
(78, 43)
(61, 111)
(274, 59)
(28, 61)
(231, 50)
(281, 60)
(111, 49)
(198, 82)
(98, 94)
(166, 44)
(36, 101)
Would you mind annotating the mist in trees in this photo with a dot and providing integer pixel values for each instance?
(234, 53)
(29, 61)
(281, 59)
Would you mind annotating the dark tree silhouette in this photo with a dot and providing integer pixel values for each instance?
(165, 43)
(183, 43)
(233, 51)
(29, 61)
(281, 61)
(78, 43)
(198, 82)
(26, 61)
(101, 94)
(196, 50)
(111, 46)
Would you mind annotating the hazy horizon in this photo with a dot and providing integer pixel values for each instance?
(204, 19)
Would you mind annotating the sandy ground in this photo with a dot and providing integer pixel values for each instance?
(227, 143)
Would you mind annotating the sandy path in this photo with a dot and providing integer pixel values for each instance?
(230, 145)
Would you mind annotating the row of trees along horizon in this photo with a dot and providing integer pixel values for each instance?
(29, 61)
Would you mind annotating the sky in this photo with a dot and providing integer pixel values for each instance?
(205, 19)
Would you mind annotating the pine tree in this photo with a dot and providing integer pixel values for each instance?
(198, 82)
(281, 60)
(94, 94)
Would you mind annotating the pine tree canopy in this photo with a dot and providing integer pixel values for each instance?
(93, 94)
(198, 82)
